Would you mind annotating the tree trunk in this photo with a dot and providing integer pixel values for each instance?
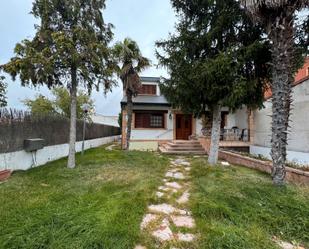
(281, 35)
(129, 122)
(73, 114)
(215, 135)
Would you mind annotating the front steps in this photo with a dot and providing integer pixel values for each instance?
(182, 147)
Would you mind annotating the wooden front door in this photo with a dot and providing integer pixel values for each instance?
(183, 126)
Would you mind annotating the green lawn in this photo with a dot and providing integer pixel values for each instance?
(236, 207)
(100, 204)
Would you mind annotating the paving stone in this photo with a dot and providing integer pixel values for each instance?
(225, 163)
(184, 198)
(162, 208)
(187, 168)
(177, 175)
(148, 218)
(169, 174)
(164, 233)
(140, 247)
(185, 237)
(183, 212)
(287, 245)
(185, 163)
(183, 221)
(167, 189)
(174, 185)
(159, 194)
(179, 161)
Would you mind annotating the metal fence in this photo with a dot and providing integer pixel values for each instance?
(16, 126)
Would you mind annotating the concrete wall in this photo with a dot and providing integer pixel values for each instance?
(298, 138)
(21, 160)
(297, 157)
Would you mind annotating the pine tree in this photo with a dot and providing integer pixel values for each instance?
(216, 59)
(70, 48)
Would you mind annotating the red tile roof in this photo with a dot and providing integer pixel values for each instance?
(301, 76)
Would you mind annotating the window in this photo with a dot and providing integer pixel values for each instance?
(148, 90)
(149, 120)
(156, 120)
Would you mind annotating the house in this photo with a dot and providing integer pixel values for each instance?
(156, 123)
(298, 137)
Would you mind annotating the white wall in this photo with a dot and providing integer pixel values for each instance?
(292, 156)
(238, 118)
(21, 160)
(298, 138)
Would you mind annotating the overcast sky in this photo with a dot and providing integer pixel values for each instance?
(142, 20)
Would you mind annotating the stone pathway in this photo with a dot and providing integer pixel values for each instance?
(168, 222)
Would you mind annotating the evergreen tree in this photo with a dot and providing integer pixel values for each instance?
(216, 59)
(70, 48)
(278, 18)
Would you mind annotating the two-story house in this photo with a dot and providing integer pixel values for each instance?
(156, 123)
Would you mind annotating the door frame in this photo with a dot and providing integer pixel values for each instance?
(193, 124)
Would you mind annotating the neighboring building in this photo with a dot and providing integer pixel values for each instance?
(298, 138)
(155, 121)
(106, 120)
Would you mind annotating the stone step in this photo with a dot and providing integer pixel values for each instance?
(183, 144)
(180, 152)
(186, 148)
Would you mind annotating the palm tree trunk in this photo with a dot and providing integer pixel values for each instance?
(129, 123)
(281, 35)
(215, 135)
(73, 114)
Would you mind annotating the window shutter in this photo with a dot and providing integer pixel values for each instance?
(148, 89)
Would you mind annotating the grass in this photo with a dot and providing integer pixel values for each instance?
(236, 207)
(100, 204)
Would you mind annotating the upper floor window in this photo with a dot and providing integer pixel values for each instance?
(148, 90)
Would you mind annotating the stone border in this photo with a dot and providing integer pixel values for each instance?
(292, 175)
(5, 174)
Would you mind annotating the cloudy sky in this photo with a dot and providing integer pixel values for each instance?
(142, 20)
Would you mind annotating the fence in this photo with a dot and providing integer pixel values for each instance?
(16, 126)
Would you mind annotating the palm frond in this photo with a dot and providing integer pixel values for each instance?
(255, 6)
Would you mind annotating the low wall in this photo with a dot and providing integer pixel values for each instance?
(292, 175)
(21, 160)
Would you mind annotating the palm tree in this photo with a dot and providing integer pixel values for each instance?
(277, 16)
(130, 64)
